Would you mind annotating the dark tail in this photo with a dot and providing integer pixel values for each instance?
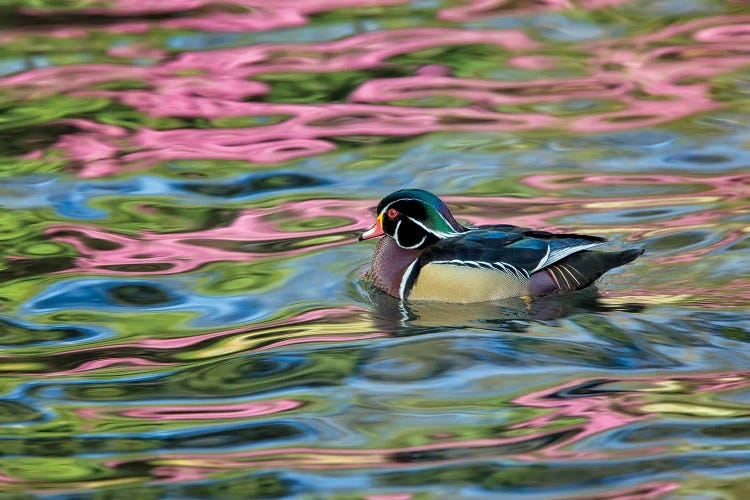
(579, 270)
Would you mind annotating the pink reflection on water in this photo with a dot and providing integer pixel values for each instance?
(63, 79)
(652, 85)
(597, 413)
(732, 293)
(262, 335)
(647, 491)
(491, 93)
(724, 187)
(674, 30)
(242, 15)
(181, 252)
(695, 255)
(136, 51)
(260, 15)
(727, 191)
(196, 412)
(122, 364)
(477, 9)
(272, 144)
(243, 238)
(532, 62)
(175, 256)
(359, 51)
(322, 338)
(732, 34)
(339, 314)
(303, 134)
(164, 473)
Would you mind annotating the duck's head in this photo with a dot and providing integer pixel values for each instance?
(414, 218)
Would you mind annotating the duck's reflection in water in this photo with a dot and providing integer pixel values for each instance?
(514, 314)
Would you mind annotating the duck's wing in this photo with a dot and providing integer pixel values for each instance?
(485, 264)
(525, 250)
(505, 228)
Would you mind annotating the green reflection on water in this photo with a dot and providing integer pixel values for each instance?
(301, 352)
(48, 109)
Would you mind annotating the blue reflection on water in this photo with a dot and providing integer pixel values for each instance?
(122, 295)
(642, 150)
(72, 333)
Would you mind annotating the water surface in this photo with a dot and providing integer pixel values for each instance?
(181, 308)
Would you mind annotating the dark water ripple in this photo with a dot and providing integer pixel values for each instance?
(181, 308)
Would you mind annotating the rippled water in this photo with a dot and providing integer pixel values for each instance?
(182, 183)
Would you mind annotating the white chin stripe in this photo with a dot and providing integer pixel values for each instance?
(413, 246)
(398, 241)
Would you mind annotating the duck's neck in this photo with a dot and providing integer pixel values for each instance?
(389, 262)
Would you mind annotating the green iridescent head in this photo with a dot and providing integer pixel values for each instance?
(414, 218)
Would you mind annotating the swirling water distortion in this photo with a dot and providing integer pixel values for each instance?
(182, 185)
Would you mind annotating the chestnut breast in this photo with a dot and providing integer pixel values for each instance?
(389, 262)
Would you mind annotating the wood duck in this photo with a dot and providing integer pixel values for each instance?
(426, 255)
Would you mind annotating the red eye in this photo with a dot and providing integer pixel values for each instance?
(392, 213)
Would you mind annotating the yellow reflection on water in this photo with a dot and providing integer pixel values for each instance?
(693, 410)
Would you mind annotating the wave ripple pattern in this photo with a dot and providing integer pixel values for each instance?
(182, 307)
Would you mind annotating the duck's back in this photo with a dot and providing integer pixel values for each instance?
(498, 262)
